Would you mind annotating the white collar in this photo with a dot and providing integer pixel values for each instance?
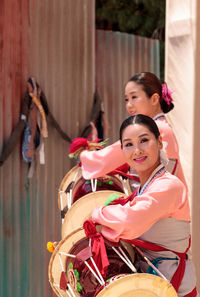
(159, 116)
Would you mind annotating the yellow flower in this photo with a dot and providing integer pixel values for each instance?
(50, 246)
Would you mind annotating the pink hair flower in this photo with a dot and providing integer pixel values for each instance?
(166, 94)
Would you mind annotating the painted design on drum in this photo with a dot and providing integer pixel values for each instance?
(83, 281)
(73, 276)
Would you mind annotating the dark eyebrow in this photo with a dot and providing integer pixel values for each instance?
(140, 136)
(126, 139)
(133, 92)
(144, 134)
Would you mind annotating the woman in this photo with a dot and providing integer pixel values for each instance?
(158, 217)
(144, 94)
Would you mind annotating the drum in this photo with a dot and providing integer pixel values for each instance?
(74, 186)
(139, 285)
(73, 272)
(82, 209)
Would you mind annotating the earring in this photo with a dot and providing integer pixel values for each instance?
(163, 158)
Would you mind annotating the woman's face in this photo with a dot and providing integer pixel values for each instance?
(137, 100)
(141, 149)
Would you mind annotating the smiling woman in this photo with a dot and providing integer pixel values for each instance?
(158, 217)
(141, 145)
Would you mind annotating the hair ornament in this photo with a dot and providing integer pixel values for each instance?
(166, 94)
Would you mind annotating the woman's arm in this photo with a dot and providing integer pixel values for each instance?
(163, 199)
(99, 163)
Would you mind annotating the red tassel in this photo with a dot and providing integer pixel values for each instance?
(80, 144)
(63, 281)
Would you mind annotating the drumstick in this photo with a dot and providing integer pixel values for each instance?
(150, 264)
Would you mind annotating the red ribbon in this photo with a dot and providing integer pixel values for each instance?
(193, 293)
(98, 246)
(179, 273)
(123, 170)
(122, 200)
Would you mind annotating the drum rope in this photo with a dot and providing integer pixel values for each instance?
(69, 198)
(94, 184)
(100, 280)
(70, 290)
(154, 268)
(124, 185)
(61, 263)
(90, 268)
(128, 263)
(57, 285)
(126, 257)
(68, 293)
(97, 270)
(61, 203)
(149, 263)
(69, 195)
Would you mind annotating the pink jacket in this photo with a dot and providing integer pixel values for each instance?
(163, 196)
(99, 163)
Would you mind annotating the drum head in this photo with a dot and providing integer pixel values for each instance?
(139, 285)
(80, 187)
(82, 209)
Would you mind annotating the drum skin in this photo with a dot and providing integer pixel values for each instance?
(82, 209)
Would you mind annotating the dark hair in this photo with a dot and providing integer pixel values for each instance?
(140, 119)
(151, 85)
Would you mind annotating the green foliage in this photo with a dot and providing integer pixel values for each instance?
(140, 17)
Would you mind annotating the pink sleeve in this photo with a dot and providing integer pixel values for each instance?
(99, 163)
(132, 220)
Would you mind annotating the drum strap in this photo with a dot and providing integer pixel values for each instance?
(178, 275)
